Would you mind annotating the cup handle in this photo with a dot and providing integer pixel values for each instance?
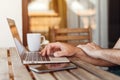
(43, 39)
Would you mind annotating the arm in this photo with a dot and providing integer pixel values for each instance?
(110, 55)
(98, 62)
(61, 49)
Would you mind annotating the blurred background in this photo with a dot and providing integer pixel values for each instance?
(103, 16)
(67, 13)
(43, 14)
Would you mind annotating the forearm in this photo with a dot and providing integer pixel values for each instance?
(111, 55)
(98, 62)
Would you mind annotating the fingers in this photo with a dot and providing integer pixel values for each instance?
(46, 51)
(86, 48)
(43, 52)
(59, 54)
(92, 45)
(82, 47)
(95, 46)
(58, 49)
(50, 49)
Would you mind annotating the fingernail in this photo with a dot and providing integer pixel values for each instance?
(55, 54)
(79, 46)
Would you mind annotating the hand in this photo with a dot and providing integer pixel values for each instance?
(91, 49)
(93, 45)
(58, 49)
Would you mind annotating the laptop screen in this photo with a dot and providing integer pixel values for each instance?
(13, 28)
(16, 36)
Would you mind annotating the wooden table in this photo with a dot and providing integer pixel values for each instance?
(11, 68)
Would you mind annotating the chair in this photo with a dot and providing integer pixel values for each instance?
(73, 36)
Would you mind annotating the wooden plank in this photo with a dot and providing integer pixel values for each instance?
(84, 75)
(74, 37)
(19, 70)
(72, 30)
(4, 68)
(42, 14)
(104, 75)
(64, 75)
(43, 76)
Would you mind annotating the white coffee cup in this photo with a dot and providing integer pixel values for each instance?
(34, 41)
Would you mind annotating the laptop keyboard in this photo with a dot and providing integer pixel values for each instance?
(34, 56)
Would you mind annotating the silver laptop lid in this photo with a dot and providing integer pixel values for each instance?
(13, 28)
(16, 36)
(19, 46)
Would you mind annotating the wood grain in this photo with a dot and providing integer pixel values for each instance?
(4, 68)
(104, 75)
(19, 70)
(43, 76)
(84, 75)
(64, 75)
(70, 35)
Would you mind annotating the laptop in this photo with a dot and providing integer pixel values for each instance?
(28, 57)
